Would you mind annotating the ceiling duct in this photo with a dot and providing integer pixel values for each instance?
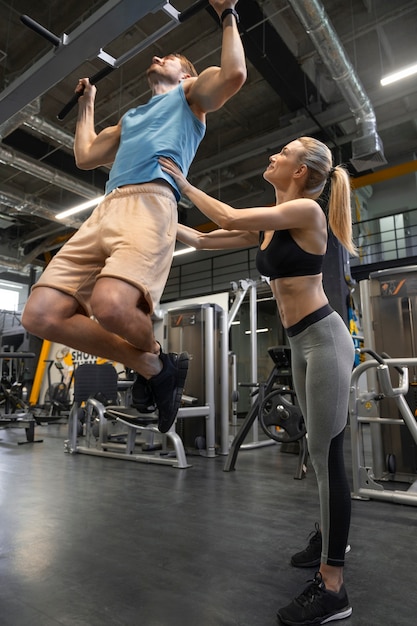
(19, 264)
(14, 159)
(367, 149)
(30, 205)
(367, 152)
(19, 118)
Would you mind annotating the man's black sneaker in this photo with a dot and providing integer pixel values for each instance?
(311, 555)
(142, 395)
(167, 387)
(316, 605)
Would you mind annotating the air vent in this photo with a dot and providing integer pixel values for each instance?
(367, 153)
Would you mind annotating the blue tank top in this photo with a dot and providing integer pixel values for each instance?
(283, 258)
(164, 126)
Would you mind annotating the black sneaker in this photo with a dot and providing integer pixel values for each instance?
(167, 387)
(311, 555)
(316, 605)
(142, 396)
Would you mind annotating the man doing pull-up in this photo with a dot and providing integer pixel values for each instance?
(99, 291)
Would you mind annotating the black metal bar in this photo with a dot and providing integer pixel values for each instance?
(93, 80)
(28, 21)
(182, 17)
(192, 10)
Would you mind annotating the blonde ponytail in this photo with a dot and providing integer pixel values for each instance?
(318, 158)
(340, 217)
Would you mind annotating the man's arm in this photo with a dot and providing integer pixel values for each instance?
(216, 85)
(92, 150)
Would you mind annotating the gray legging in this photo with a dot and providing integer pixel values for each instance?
(322, 357)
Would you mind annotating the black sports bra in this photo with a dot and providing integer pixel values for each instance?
(283, 258)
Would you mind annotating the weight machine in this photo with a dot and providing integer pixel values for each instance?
(364, 410)
(280, 418)
(16, 413)
(111, 429)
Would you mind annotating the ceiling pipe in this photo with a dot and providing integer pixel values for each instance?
(32, 206)
(44, 128)
(21, 263)
(49, 174)
(367, 150)
(41, 127)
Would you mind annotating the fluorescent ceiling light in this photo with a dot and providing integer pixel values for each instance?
(90, 203)
(258, 330)
(183, 251)
(79, 208)
(404, 73)
(10, 286)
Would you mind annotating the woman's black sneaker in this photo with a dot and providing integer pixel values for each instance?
(311, 555)
(316, 605)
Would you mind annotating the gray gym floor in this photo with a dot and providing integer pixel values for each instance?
(89, 541)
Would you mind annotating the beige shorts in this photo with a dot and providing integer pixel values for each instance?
(130, 236)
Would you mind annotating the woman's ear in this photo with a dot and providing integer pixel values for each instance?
(301, 171)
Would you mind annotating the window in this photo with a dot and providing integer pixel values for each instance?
(9, 299)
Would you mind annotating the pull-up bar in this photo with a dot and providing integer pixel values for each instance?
(112, 63)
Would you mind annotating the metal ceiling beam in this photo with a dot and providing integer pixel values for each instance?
(86, 42)
(267, 51)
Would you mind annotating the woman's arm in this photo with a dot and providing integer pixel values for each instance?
(300, 213)
(216, 239)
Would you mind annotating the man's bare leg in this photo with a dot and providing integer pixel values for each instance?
(122, 333)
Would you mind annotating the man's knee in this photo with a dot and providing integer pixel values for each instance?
(111, 313)
(45, 311)
(114, 304)
(32, 316)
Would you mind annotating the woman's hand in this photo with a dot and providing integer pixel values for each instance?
(173, 170)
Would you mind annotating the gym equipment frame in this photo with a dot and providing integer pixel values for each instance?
(363, 409)
(208, 409)
(94, 383)
(22, 417)
(240, 290)
(272, 408)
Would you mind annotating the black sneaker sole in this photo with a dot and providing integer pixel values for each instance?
(315, 563)
(182, 370)
(318, 621)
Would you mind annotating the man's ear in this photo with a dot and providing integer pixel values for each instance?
(184, 76)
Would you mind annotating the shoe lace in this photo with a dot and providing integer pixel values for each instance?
(313, 591)
(315, 535)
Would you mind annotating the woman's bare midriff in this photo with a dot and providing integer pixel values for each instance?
(297, 297)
